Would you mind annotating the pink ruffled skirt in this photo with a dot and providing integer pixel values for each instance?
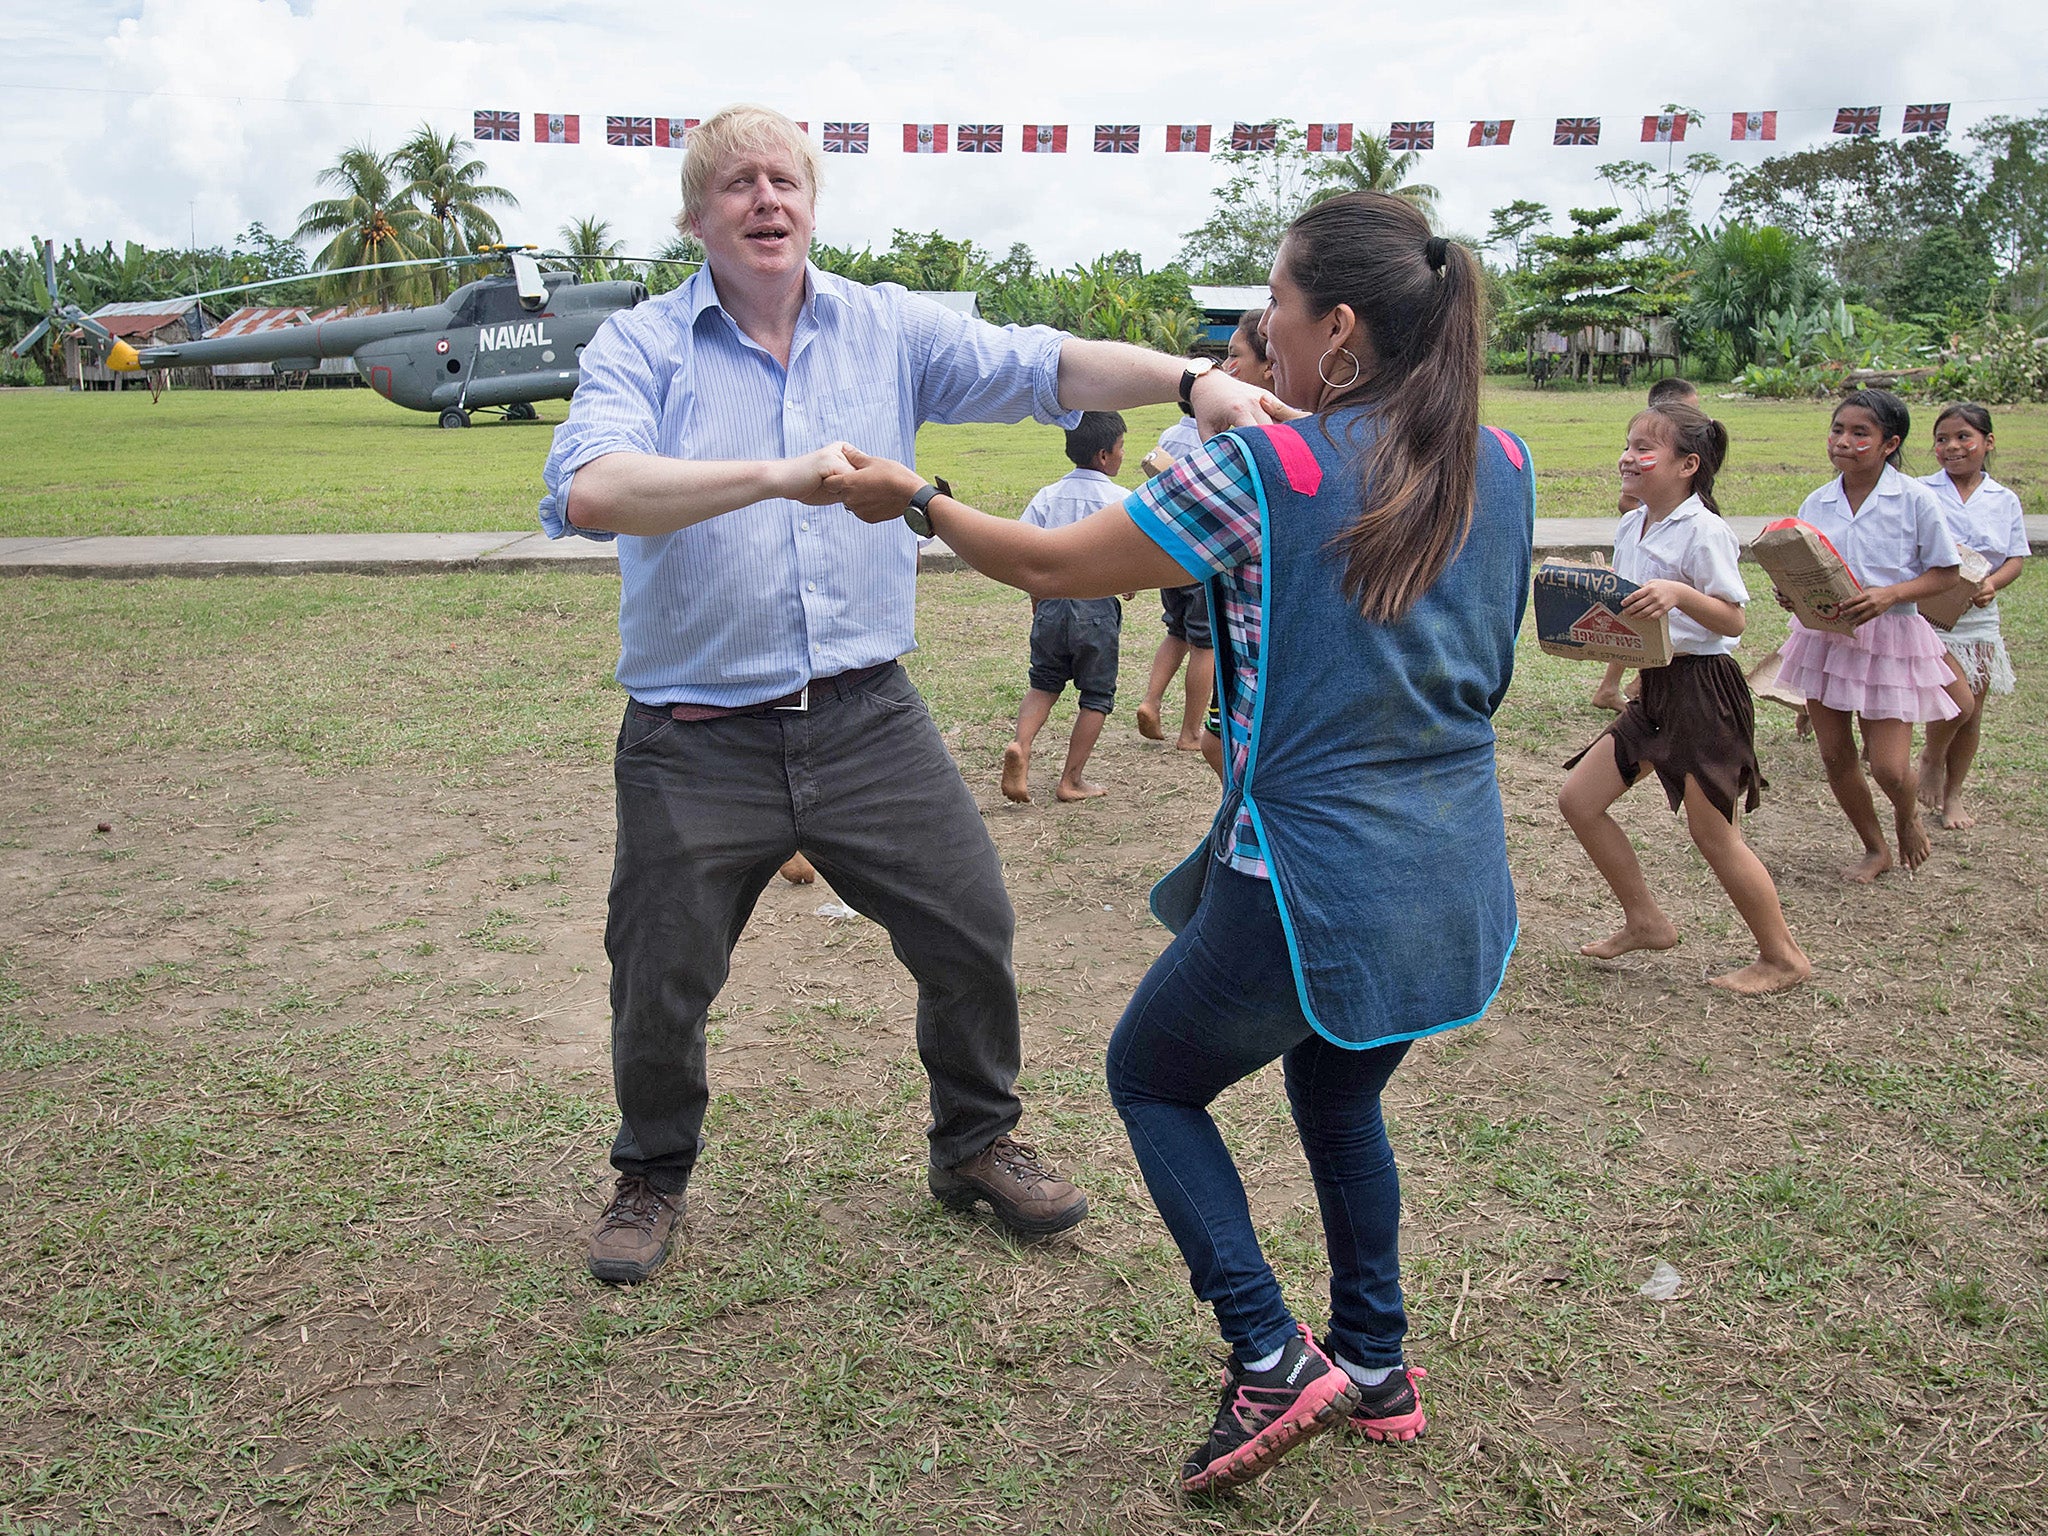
(1893, 668)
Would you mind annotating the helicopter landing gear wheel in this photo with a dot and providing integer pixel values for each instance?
(520, 410)
(454, 418)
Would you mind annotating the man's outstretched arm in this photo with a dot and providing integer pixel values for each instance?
(647, 494)
(1114, 376)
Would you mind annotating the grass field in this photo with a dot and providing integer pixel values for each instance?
(344, 461)
(305, 1096)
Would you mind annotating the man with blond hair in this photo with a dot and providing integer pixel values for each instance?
(760, 625)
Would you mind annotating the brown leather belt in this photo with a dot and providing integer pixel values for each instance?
(837, 686)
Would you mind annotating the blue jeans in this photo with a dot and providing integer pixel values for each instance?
(1215, 1007)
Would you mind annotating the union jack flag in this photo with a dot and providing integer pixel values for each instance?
(1490, 132)
(924, 138)
(670, 132)
(1116, 138)
(555, 127)
(631, 132)
(1187, 138)
(979, 138)
(1859, 121)
(1664, 128)
(1323, 138)
(1045, 139)
(1577, 130)
(1929, 117)
(846, 138)
(497, 125)
(1754, 125)
(1418, 135)
(1257, 137)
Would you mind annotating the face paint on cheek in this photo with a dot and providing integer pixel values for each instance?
(1646, 461)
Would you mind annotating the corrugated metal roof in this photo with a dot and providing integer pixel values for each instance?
(140, 317)
(1225, 298)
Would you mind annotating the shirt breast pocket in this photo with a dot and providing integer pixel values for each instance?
(870, 417)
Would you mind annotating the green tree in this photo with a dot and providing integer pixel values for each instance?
(1742, 273)
(1863, 201)
(370, 220)
(590, 245)
(673, 264)
(1266, 191)
(1512, 225)
(445, 179)
(1945, 276)
(1589, 277)
(2012, 207)
(1373, 165)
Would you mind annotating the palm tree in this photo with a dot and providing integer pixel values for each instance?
(442, 177)
(590, 242)
(1372, 165)
(371, 221)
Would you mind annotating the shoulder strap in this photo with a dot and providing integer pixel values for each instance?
(1508, 446)
(1297, 459)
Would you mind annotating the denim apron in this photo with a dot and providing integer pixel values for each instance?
(1370, 778)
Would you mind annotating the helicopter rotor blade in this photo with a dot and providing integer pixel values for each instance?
(21, 348)
(324, 272)
(50, 268)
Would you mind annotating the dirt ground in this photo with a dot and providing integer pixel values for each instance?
(1830, 1170)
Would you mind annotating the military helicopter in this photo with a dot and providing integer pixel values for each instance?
(499, 343)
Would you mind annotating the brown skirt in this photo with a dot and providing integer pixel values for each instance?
(1694, 717)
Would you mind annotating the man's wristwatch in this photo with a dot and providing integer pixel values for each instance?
(916, 515)
(1196, 369)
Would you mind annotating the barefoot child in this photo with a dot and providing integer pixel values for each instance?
(1671, 391)
(1987, 517)
(1693, 721)
(1891, 671)
(1072, 639)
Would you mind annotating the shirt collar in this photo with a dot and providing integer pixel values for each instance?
(1089, 476)
(702, 292)
(1890, 484)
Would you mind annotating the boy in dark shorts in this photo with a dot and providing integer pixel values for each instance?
(1073, 640)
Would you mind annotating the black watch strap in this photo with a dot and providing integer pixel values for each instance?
(918, 514)
(1187, 383)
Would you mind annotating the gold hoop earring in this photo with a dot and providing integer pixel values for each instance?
(1356, 370)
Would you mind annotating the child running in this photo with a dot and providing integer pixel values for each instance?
(1891, 671)
(1694, 721)
(1072, 639)
(1986, 517)
(1671, 391)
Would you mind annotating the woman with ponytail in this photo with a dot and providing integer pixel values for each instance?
(1368, 562)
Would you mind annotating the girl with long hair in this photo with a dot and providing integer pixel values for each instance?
(1369, 563)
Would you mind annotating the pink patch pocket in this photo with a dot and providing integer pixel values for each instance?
(1297, 459)
(1508, 446)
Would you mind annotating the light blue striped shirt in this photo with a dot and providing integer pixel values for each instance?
(754, 604)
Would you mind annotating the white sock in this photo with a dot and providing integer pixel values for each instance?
(1264, 1362)
(1366, 1376)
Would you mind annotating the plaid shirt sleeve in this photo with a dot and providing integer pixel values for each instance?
(1204, 511)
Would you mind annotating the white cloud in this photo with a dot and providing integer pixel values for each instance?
(184, 115)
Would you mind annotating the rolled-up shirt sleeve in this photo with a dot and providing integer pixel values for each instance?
(969, 370)
(616, 409)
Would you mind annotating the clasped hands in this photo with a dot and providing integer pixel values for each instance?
(876, 490)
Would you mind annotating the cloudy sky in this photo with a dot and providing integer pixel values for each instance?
(156, 120)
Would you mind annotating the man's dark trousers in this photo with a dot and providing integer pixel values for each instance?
(709, 810)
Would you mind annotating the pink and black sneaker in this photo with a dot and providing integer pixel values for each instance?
(1265, 1414)
(1393, 1409)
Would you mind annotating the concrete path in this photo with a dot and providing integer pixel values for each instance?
(406, 553)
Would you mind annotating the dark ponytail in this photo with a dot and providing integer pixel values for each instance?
(1420, 302)
(1890, 414)
(1688, 429)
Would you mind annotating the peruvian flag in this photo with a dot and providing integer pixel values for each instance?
(1862, 122)
(1415, 135)
(554, 128)
(979, 138)
(497, 125)
(846, 138)
(629, 132)
(924, 138)
(1116, 138)
(669, 132)
(1664, 128)
(1187, 138)
(1754, 125)
(1045, 138)
(1260, 138)
(1928, 117)
(1326, 138)
(1490, 132)
(1577, 130)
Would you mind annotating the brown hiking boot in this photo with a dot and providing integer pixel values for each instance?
(1027, 1197)
(632, 1236)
